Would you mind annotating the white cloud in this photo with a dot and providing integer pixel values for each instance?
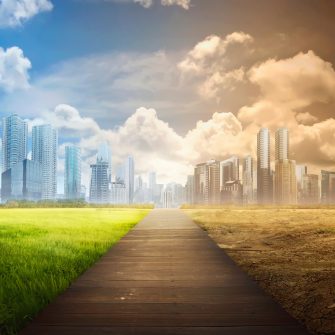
(288, 86)
(208, 55)
(213, 85)
(15, 12)
(186, 4)
(208, 64)
(144, 3)
(13, 69)
(182, 3)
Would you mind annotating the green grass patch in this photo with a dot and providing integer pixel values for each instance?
(43, 250)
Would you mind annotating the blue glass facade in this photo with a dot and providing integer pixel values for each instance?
(22, 182)
(72, 179)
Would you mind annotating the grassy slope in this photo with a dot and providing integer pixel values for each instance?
(289, 251)
(43, 250)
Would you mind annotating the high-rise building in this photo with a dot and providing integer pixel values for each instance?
(310, 189)
(300, 171)
(23, 181)
(129, 178)
(104, 154)
(327, 187)
(248, 180)
(44, 151)
(264, 180)
(207, 183)
(14, 141)
(282, 144)
(152, 187)
(99, 187)
(189, 190)
(72, 178)
(118, 193)
(285, 183)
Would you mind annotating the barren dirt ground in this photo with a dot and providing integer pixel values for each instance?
(290, 252)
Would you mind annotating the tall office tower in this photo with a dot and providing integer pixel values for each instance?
(248, 180)
(207, 183)
(282, 144)
(200, 196)
(23, 181)
(139, 191)
(285, 183)
(14, 141)
(44, 151)
(264, 180)
(152, 185)
(72, 178)
(310, 189)
(327, 187)
(129, 178)
(118, 193)
(104, 154)
(189, 190)
(300, 171)
(99, 188)
(167, 198)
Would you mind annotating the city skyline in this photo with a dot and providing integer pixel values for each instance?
(279, 181)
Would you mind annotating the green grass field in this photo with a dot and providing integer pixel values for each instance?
(43, 250)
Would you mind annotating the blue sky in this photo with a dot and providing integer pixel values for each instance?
(174, 83)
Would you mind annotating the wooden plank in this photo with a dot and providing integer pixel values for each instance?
(171, 330)
(165, 277)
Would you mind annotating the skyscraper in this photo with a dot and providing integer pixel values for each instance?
(105, 155)
(310, 189)
(152, 183)
(248, 179)
(129, 178)
(282, 144)
(14, 141)
(99, 187)
(207, 183)
(72, 178)
(300, 171)
(44, 151)
(23, 181)
(189, 190)
(327, 187)
(264, 180)
(285, 185)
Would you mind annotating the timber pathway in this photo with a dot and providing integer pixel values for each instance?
(165, 277)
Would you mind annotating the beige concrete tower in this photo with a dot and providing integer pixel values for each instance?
(285, 183)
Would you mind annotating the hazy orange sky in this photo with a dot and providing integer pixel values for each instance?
(174, 82)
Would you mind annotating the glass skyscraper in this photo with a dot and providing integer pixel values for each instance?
(14, 141)
(129, 178)
(99, 188)
(72, 178)
(264, 180)
(44, 151)
(22, 182)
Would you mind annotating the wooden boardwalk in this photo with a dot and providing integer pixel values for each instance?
(165, 277)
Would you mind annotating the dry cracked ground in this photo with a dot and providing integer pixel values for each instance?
(289, 251)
